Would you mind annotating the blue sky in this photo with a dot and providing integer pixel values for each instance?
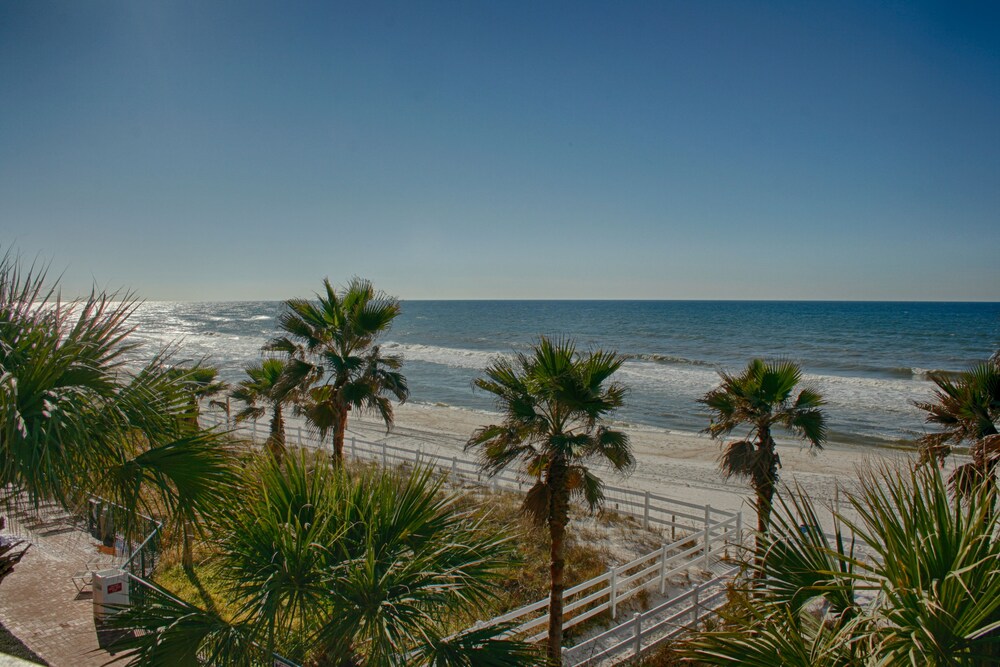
(244, 150)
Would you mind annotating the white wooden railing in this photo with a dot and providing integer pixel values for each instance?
(645, 631)
(700, 535)
(607, 592)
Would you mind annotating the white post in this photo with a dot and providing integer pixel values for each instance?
(614, 593)
(663, 570)
(645, 513)
(637, 629)
(354, 448)
(454, 467)
(708, 533)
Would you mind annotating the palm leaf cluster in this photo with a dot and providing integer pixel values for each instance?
(554, 404)
(77, 414)
(928, 594)
(328, 364)
(330, 568)
(966, 407)
(759, 399)
(264, 387)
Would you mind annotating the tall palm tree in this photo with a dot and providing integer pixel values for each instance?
(967, 408)
(265, 389)
(759, 399)
(332, 341)
(554, 403)
(75, 416)
(327, 568)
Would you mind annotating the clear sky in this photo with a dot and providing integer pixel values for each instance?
(244, 150)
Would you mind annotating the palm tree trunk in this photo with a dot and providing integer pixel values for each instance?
(187, 552)
(339, 432)
(765, 481)
(276, 439)
(558, 518)
(765, 498)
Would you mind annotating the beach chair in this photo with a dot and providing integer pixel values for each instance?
(83, 580)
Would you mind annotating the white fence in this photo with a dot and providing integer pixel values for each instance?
(700, 536)
(607, 592)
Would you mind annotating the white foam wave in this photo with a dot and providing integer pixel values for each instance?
(258, 318)
(894, 395)
(446, 356)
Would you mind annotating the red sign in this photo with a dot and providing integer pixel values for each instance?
(115, 588)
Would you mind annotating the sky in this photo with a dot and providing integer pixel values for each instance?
(483, 150)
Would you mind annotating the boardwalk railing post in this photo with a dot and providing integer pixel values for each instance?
(708, 533)
(613, 593)
(385, 456)
(645, 513)
(302, 443)
(454, 467)
(663, 570)
(637, 628)
(354, 447)
(694, 607)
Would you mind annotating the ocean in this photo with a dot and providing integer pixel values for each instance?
(869, 360)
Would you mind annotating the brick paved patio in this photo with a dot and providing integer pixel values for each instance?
(39, 602)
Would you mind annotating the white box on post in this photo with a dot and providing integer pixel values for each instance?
(110, 592)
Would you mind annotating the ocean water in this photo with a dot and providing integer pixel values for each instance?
(869, 360)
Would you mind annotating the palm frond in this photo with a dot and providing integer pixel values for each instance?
(479, 647)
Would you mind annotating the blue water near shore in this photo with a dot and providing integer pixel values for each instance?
(868, 359)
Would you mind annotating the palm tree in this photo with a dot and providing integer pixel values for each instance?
(75, 416)
(967, 408)
(265, 389)
(202, 382)
(928, 594)
(333, 341)
(554, 403)
(327, 568)
(205, 383)
(760, 399)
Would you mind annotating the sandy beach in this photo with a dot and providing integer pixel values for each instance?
(678, 465)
